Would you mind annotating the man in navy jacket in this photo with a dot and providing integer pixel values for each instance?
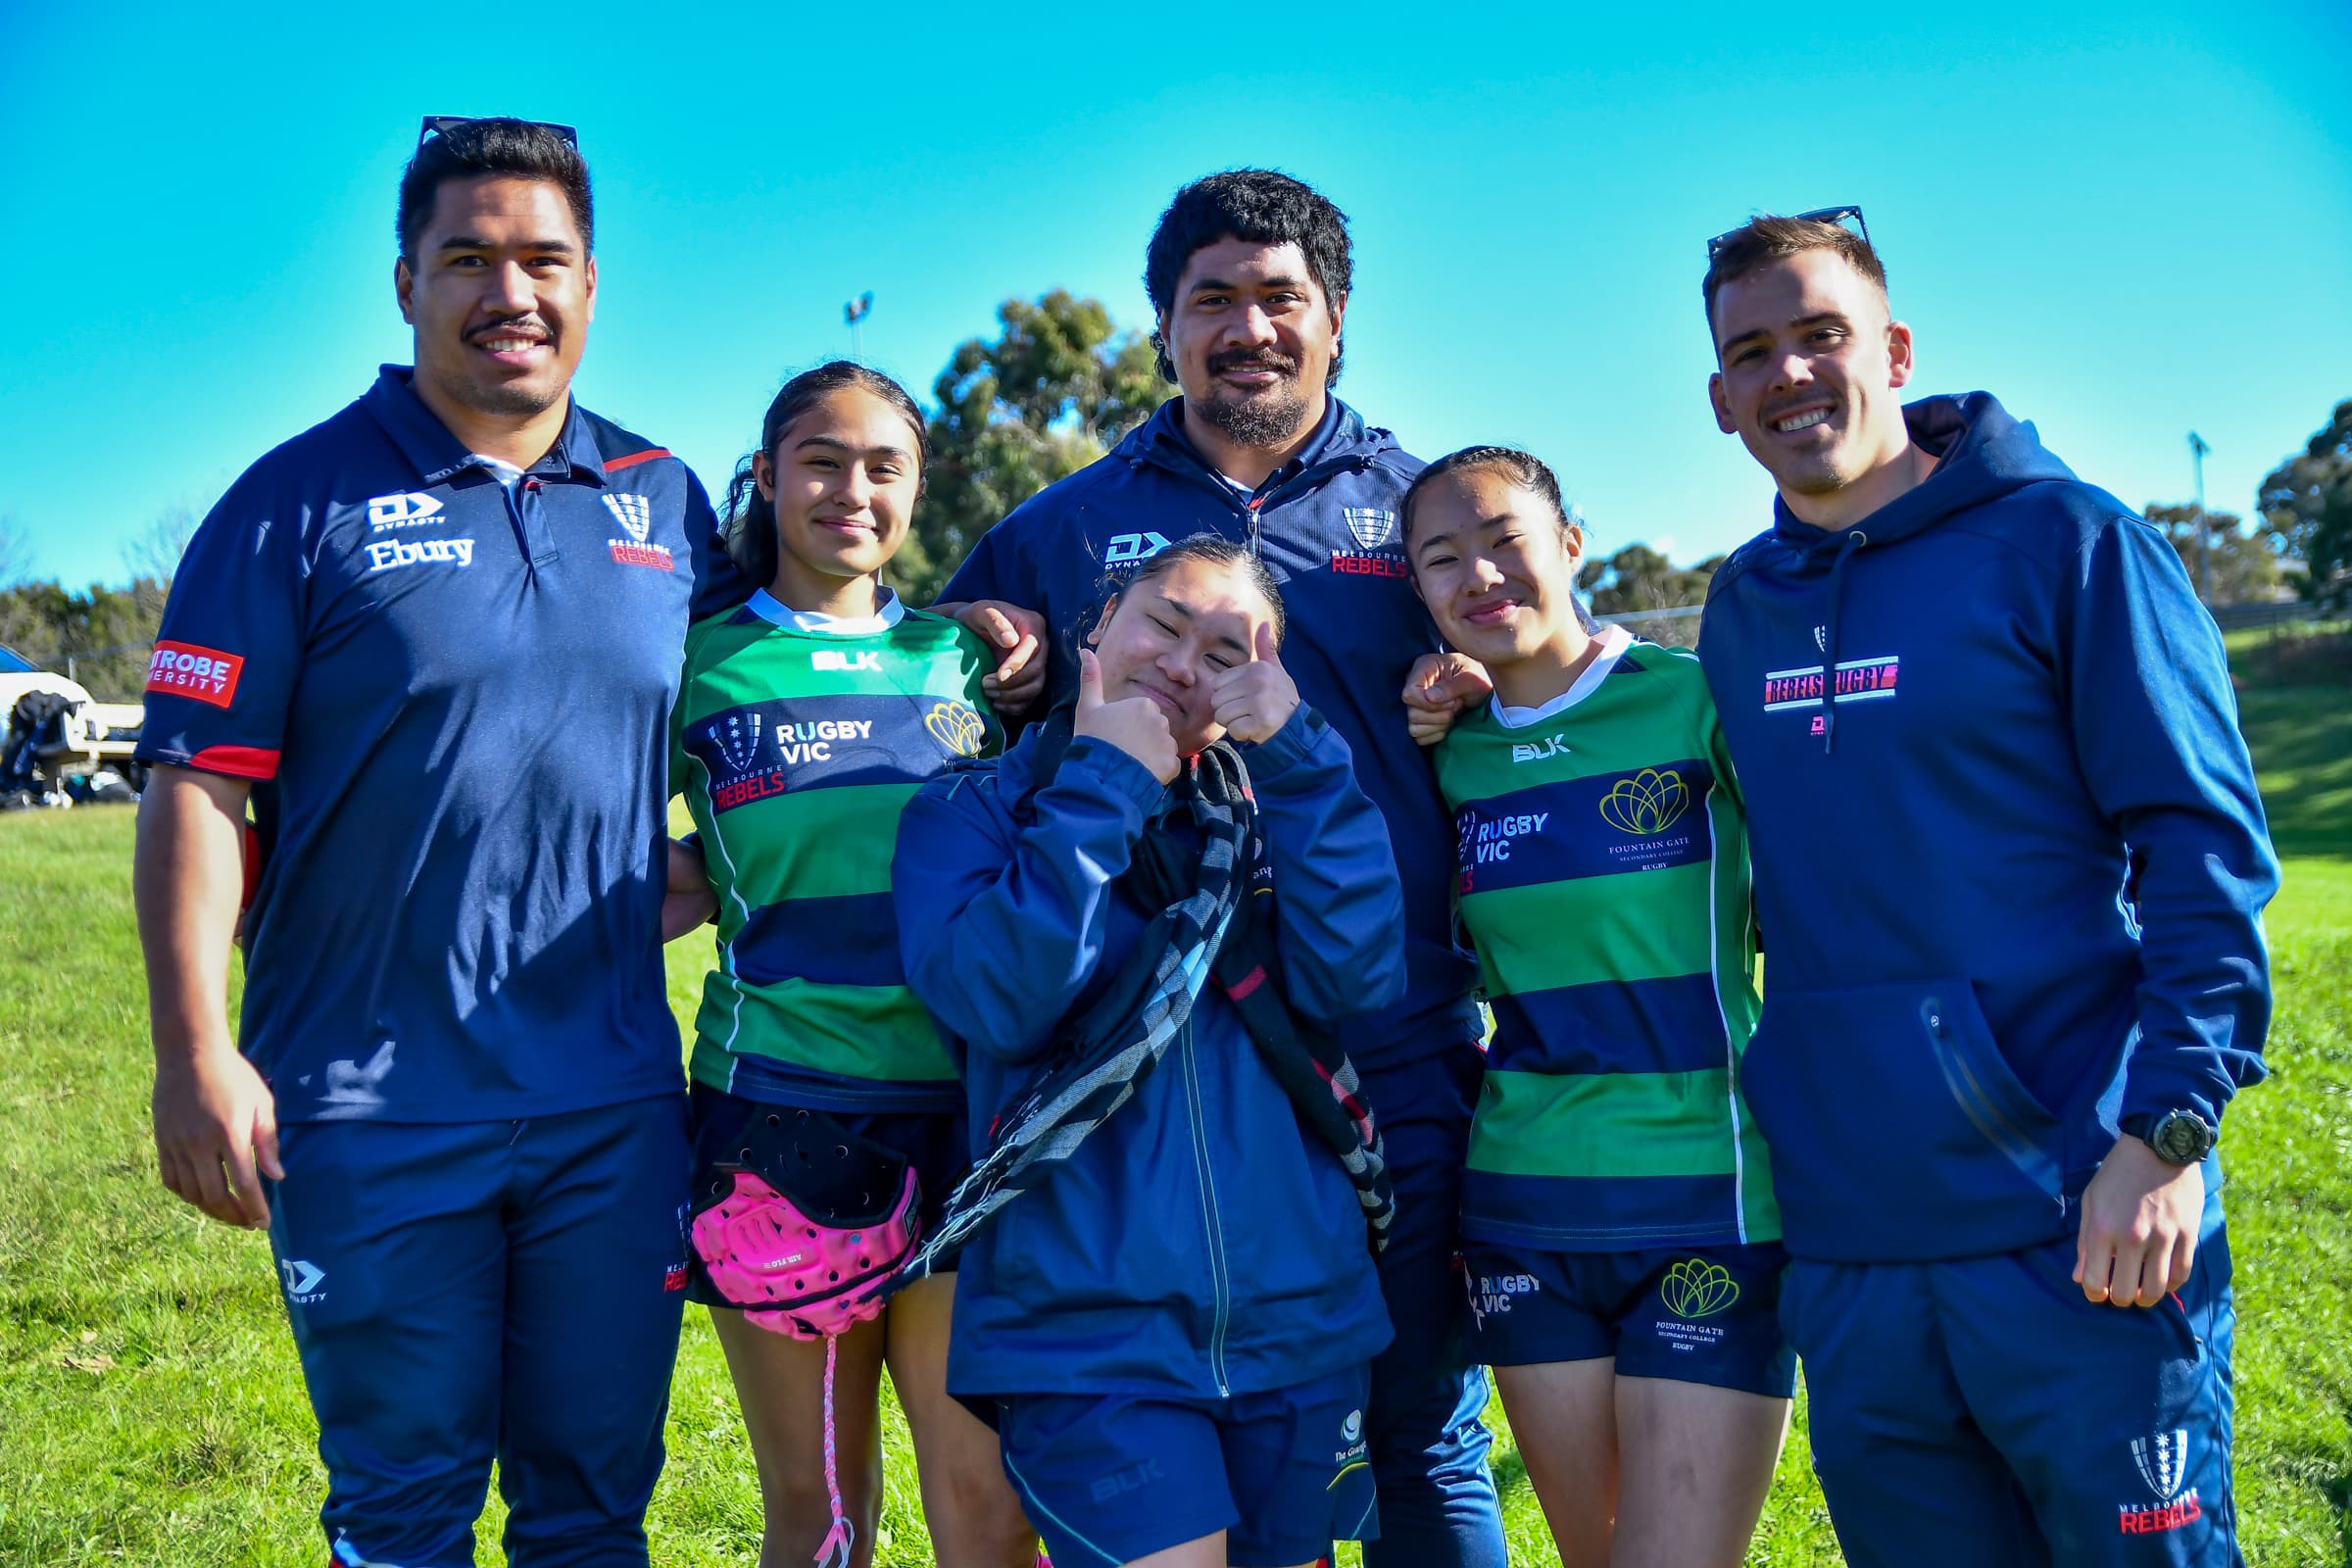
(2010, 864)
(1249, 273)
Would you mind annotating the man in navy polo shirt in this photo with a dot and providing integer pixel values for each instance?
(1249, 273)
(434, 641)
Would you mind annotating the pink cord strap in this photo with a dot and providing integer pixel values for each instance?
(834, 1550)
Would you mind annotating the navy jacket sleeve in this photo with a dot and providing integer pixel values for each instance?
(1002, 925)
(718, 584)
(1339, 905)
(2157, 739)
(230, 647)
(983, 575)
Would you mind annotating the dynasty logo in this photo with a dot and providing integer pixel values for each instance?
(1647, 803)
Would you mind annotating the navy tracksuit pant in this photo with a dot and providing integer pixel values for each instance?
(475, 1290)
(1438, 1504)
(1981, 1413)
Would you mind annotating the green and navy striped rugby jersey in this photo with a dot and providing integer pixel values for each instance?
(798, 740)
(1604, 879)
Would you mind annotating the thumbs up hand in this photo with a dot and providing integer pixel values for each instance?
(1256, 699)
(1136, 725)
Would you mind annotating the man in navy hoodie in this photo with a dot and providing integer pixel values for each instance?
(2010, 864)
(1248, 274)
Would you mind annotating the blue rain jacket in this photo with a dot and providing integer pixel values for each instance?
(1200, 1243)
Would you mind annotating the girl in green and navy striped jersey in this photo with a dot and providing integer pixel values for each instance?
(1617, 1215)
(805, 720)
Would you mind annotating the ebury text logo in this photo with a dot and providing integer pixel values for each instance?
(1695, 1288)
(402, 510)
(1128, 548)
(183, 670)
(1646, 804)
(389, 555)
(2162, 1459)
(956, 728)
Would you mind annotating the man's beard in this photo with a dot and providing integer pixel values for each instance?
(1271, 417)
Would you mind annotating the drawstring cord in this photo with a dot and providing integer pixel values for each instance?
(1855, 539)
(834, 1550)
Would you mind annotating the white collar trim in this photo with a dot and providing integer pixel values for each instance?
(771, 608)
(1613, 640)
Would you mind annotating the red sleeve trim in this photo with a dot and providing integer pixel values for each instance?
(615, 464)
(240, 762)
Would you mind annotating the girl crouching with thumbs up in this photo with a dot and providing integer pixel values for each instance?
(1126, 930)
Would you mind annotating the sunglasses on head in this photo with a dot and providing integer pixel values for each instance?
(1819, 214)
(441, 125)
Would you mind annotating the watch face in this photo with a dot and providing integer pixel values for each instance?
(2182, 1139)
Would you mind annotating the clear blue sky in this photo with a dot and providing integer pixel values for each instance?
(2128, 226)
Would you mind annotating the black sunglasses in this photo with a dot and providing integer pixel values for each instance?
(1819, 214)
(439, 124)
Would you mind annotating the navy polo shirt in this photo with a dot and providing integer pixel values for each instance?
(452, 697)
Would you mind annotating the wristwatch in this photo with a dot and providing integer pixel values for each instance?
(2179, 1137)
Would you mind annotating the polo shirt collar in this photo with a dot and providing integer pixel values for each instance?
(438, 455)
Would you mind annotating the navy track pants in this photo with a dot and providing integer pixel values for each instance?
(1437, 1504)
(1981, 1413)
(480, 1291)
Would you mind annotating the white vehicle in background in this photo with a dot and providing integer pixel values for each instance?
(57, 744)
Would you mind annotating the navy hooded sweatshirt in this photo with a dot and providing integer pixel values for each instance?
(1200, 1243)
(1326, 527)
(2010, 862)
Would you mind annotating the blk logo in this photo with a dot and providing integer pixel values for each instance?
(833, 658)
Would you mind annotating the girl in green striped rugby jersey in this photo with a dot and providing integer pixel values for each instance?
(805, 720)
(1619, 1236)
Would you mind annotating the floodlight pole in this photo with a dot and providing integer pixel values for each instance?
(2197, 456)
(853, 313)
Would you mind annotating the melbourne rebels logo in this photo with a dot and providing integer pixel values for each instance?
(753, 754)
(1371, 526)
(2162, 1459)
(635, 514)
(1647, 803)
(958, 728)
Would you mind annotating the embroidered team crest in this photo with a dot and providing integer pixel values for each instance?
(634, 513)
(1371, 526)
(1695, 1288)
(1646, 804)
(2163, 1461)
(956, 728)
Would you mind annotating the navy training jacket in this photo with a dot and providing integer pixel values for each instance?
(1200, 1243)
(1326, 525)
(2009, 858)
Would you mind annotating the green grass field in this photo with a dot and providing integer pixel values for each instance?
(151, 1410)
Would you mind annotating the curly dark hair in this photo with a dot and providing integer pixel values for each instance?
(1258, 205)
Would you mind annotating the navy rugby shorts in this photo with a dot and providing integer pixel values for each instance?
(1691, 1314)
(1110, 1478)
